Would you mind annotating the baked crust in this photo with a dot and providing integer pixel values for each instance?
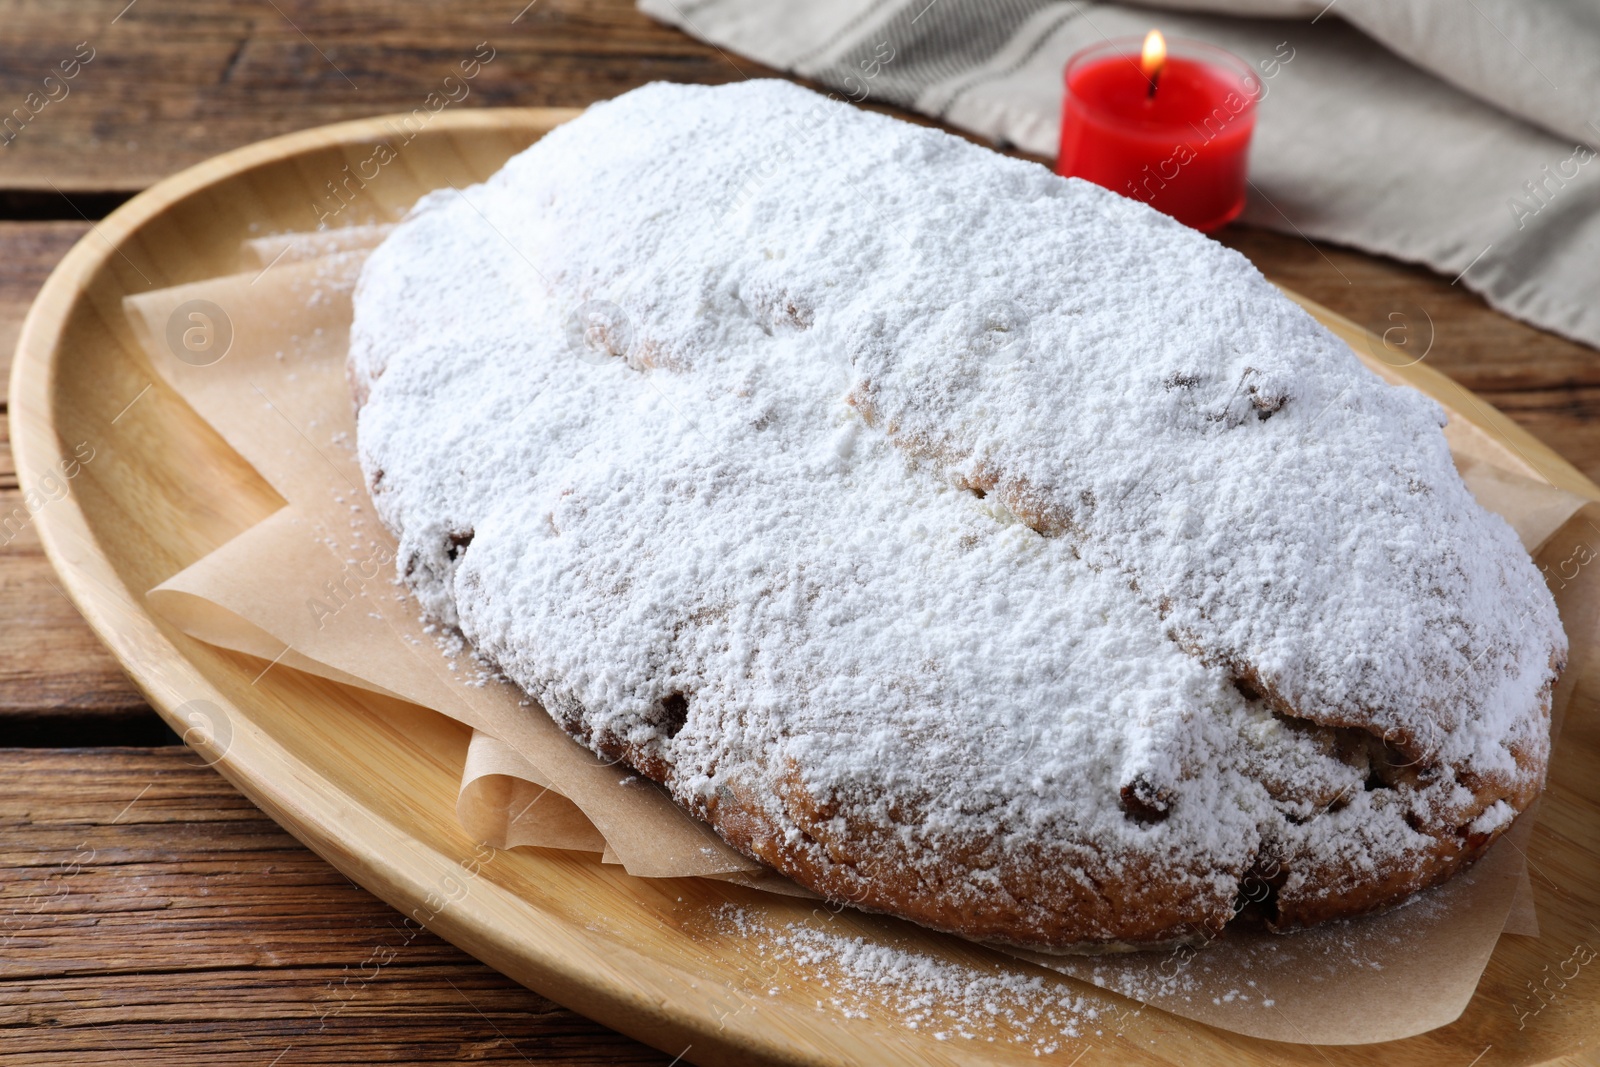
(863, 866)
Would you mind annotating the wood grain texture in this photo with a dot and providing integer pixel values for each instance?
(150, 912)
(369, 783)
(173, 82)
(28, 251)
(56, 678)
(57, 681)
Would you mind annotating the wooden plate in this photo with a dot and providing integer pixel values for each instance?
(371, 786)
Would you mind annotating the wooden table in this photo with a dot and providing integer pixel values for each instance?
(150, 914)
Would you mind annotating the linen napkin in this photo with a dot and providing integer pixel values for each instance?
(1453, 133)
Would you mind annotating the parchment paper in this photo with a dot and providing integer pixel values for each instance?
(313, 588)
(316, 579)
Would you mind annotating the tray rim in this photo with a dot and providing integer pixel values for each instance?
(317, 812)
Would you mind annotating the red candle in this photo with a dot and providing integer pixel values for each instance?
(1169, 128)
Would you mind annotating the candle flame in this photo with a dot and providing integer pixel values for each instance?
(1154, 56)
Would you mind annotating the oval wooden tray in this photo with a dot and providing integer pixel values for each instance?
(372, 789)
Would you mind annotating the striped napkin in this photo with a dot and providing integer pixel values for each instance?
(1453, 133)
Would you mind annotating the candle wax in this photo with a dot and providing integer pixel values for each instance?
(1182, 150)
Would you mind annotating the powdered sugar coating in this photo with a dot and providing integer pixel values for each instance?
(944, 998)
(701, 555)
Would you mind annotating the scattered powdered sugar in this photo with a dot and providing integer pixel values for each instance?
(613, 408)
(945, 998)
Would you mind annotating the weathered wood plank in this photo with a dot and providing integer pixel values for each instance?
(150, 912)
(28, 252)
(58, 684)
(173, 82)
